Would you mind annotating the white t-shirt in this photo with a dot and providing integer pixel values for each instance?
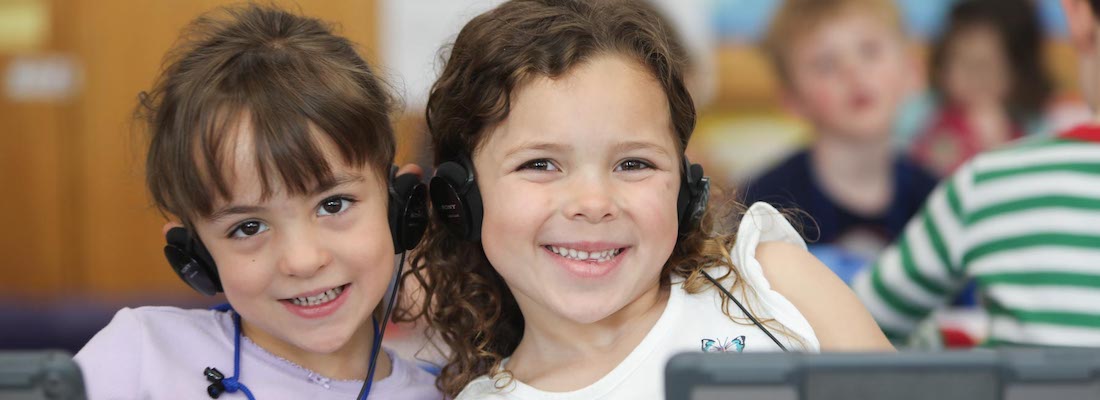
(692, 323)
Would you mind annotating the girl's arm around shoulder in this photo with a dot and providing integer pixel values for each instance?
(839, 320)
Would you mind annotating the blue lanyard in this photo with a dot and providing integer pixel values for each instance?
(219, 383)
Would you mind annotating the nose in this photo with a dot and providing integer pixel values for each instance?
(850, 69)
(591, 199)
(303, 254)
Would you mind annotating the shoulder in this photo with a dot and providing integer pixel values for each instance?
(131, 324)
(123, 351)
(409, 381)
(1036, 151)
(838, 318)
(174, 321)
(1040, 164)
(762, 222)
(131, 329)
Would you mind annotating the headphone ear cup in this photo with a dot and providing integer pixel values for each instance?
(473, 209)
(699, 204)
(191, 262)
(693, 198)
(408, 211)
(456, 200)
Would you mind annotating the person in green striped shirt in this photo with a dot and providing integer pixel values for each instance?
(1023, 222)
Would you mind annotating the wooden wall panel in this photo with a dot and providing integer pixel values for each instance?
(33, 195)
(74, 208)
(31, 199)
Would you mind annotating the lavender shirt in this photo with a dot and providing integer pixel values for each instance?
(161, 352)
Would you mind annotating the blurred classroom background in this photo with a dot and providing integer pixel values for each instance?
(81, 238)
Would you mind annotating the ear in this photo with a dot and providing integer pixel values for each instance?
(1082, 25)
(411, 169)
(168, 226)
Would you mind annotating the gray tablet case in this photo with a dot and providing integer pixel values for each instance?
(1043, 374)
(40, 375)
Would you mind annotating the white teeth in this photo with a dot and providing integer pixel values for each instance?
(597, 256)
(319, 299)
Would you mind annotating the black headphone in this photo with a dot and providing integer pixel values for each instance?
(408, 216)
(457, 201)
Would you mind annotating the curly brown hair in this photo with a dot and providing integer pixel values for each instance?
(465, 301)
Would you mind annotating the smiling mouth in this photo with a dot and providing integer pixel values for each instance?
(318, 299)
(587, 256)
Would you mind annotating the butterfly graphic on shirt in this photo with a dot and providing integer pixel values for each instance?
(724, 346)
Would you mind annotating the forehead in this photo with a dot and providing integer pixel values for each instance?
(606, 99)
(251, 176)
(846, 27)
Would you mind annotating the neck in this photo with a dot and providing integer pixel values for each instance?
(348, 362)
(857, 174)
(560, 354)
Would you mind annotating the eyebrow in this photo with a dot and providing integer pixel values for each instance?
(340, 179)
(621, 147)
(638, 145)
(337, 181)
(527, 146)
(234, 210)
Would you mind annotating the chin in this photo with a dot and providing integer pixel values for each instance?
(869, 131)
(586, 316)
(587, 311)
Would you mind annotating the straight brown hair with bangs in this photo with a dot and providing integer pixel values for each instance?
(465, 302)
(296, 82)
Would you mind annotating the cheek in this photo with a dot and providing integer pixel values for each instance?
(513, 213)
(889, 75)
(656, 215)
(823, 99)
(366, 245)
(245, 275)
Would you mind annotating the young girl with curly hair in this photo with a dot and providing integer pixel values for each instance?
(573, 251)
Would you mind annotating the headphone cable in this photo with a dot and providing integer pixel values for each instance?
(743, 310)
(378, 333)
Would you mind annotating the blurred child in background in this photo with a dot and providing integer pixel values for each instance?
(1022, 221)
(989, 81)
(844, 67)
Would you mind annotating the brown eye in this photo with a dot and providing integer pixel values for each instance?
(633, 165)
(541, 164)
(334, 205)
(248, 228)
